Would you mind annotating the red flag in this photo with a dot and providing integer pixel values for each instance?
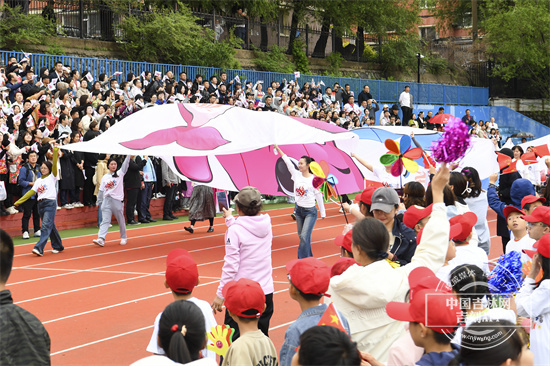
(331, 317)
(541, 150)
(511, 169)
(529, 158)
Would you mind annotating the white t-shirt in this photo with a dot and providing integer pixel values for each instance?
(304, 192)
(387, 178)
(470, 254)
(46, 188)
(157, 360)
(114, 186)
(209, 322)
(405, 99)
(518, 245)
(352, 107)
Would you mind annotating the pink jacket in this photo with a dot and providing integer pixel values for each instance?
(248, 251)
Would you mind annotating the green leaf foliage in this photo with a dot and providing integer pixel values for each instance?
(399, 53)
(17, 29)
(299, 55)
(274, 60)
(174, 37)
(518, 37)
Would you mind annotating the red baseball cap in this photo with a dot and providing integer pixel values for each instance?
(423, 278)
(453, 231)
(539, 214)
(344, 241)
(466, 222)
(309, 275)
(530, 199)
(341, 265)
(439, 311)
(366, 195)
(416, 213)
(244, 296)
(182, 274)
(509, 209)
(542, 246)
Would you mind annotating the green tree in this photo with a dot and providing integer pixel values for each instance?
(174, 37)
(17, 29)
(518, 37)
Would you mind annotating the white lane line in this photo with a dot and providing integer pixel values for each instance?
(138, 277)
(34, 266)
(149, 246)
(151, 326)
(179, 230)
(102, 340)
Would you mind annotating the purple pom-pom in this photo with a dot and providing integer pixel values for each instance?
(454, 143)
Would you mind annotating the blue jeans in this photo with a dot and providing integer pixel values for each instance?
(305, 221)
(47, 210)
(144, 201)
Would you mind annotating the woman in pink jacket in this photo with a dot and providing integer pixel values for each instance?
(248, 253)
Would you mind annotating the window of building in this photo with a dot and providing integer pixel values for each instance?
(427, 33)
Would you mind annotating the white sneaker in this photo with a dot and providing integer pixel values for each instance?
(37, 234)
(12, 210)
(78, 204)
(160, 195)
(123, 241)
(110, 225)
(55, 251)
(99, 242)
(59, 208)
(35, 251)
(68, 206)
(26, 235)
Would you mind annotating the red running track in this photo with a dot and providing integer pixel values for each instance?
(99, 304)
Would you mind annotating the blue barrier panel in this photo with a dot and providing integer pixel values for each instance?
(382, 90)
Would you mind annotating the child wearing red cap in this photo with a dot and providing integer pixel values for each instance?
(248, 253)
(466, 253)
(538, 222)
(533, 300)
(245, 301)
(182, 276)
(363, 209)
(518, 227)
(308, 281)
(416, 217)
(432, 324)
(530, 202)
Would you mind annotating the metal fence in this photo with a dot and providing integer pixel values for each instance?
(382, 90)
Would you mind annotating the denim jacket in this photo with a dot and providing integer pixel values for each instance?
(308, 319)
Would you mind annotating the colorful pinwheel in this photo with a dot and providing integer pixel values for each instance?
(323, 181)
(400, 155)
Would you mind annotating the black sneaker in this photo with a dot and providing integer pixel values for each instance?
(133, 222)
(167, 218)
(210, 230)
(189, 228)
(151, 220)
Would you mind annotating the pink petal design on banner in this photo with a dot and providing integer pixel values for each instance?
(192, 136)
(194, 167)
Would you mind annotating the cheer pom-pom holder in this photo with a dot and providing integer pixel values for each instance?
(454, 143)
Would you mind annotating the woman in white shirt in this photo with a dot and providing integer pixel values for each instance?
(306, 195)
(111, 200)
(45, 188)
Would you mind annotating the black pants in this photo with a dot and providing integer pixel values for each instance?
(30, 207)
(169, 200)
(210, 220)
(131, 202)
(407, 115)
(263, 323)
(89, 187)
